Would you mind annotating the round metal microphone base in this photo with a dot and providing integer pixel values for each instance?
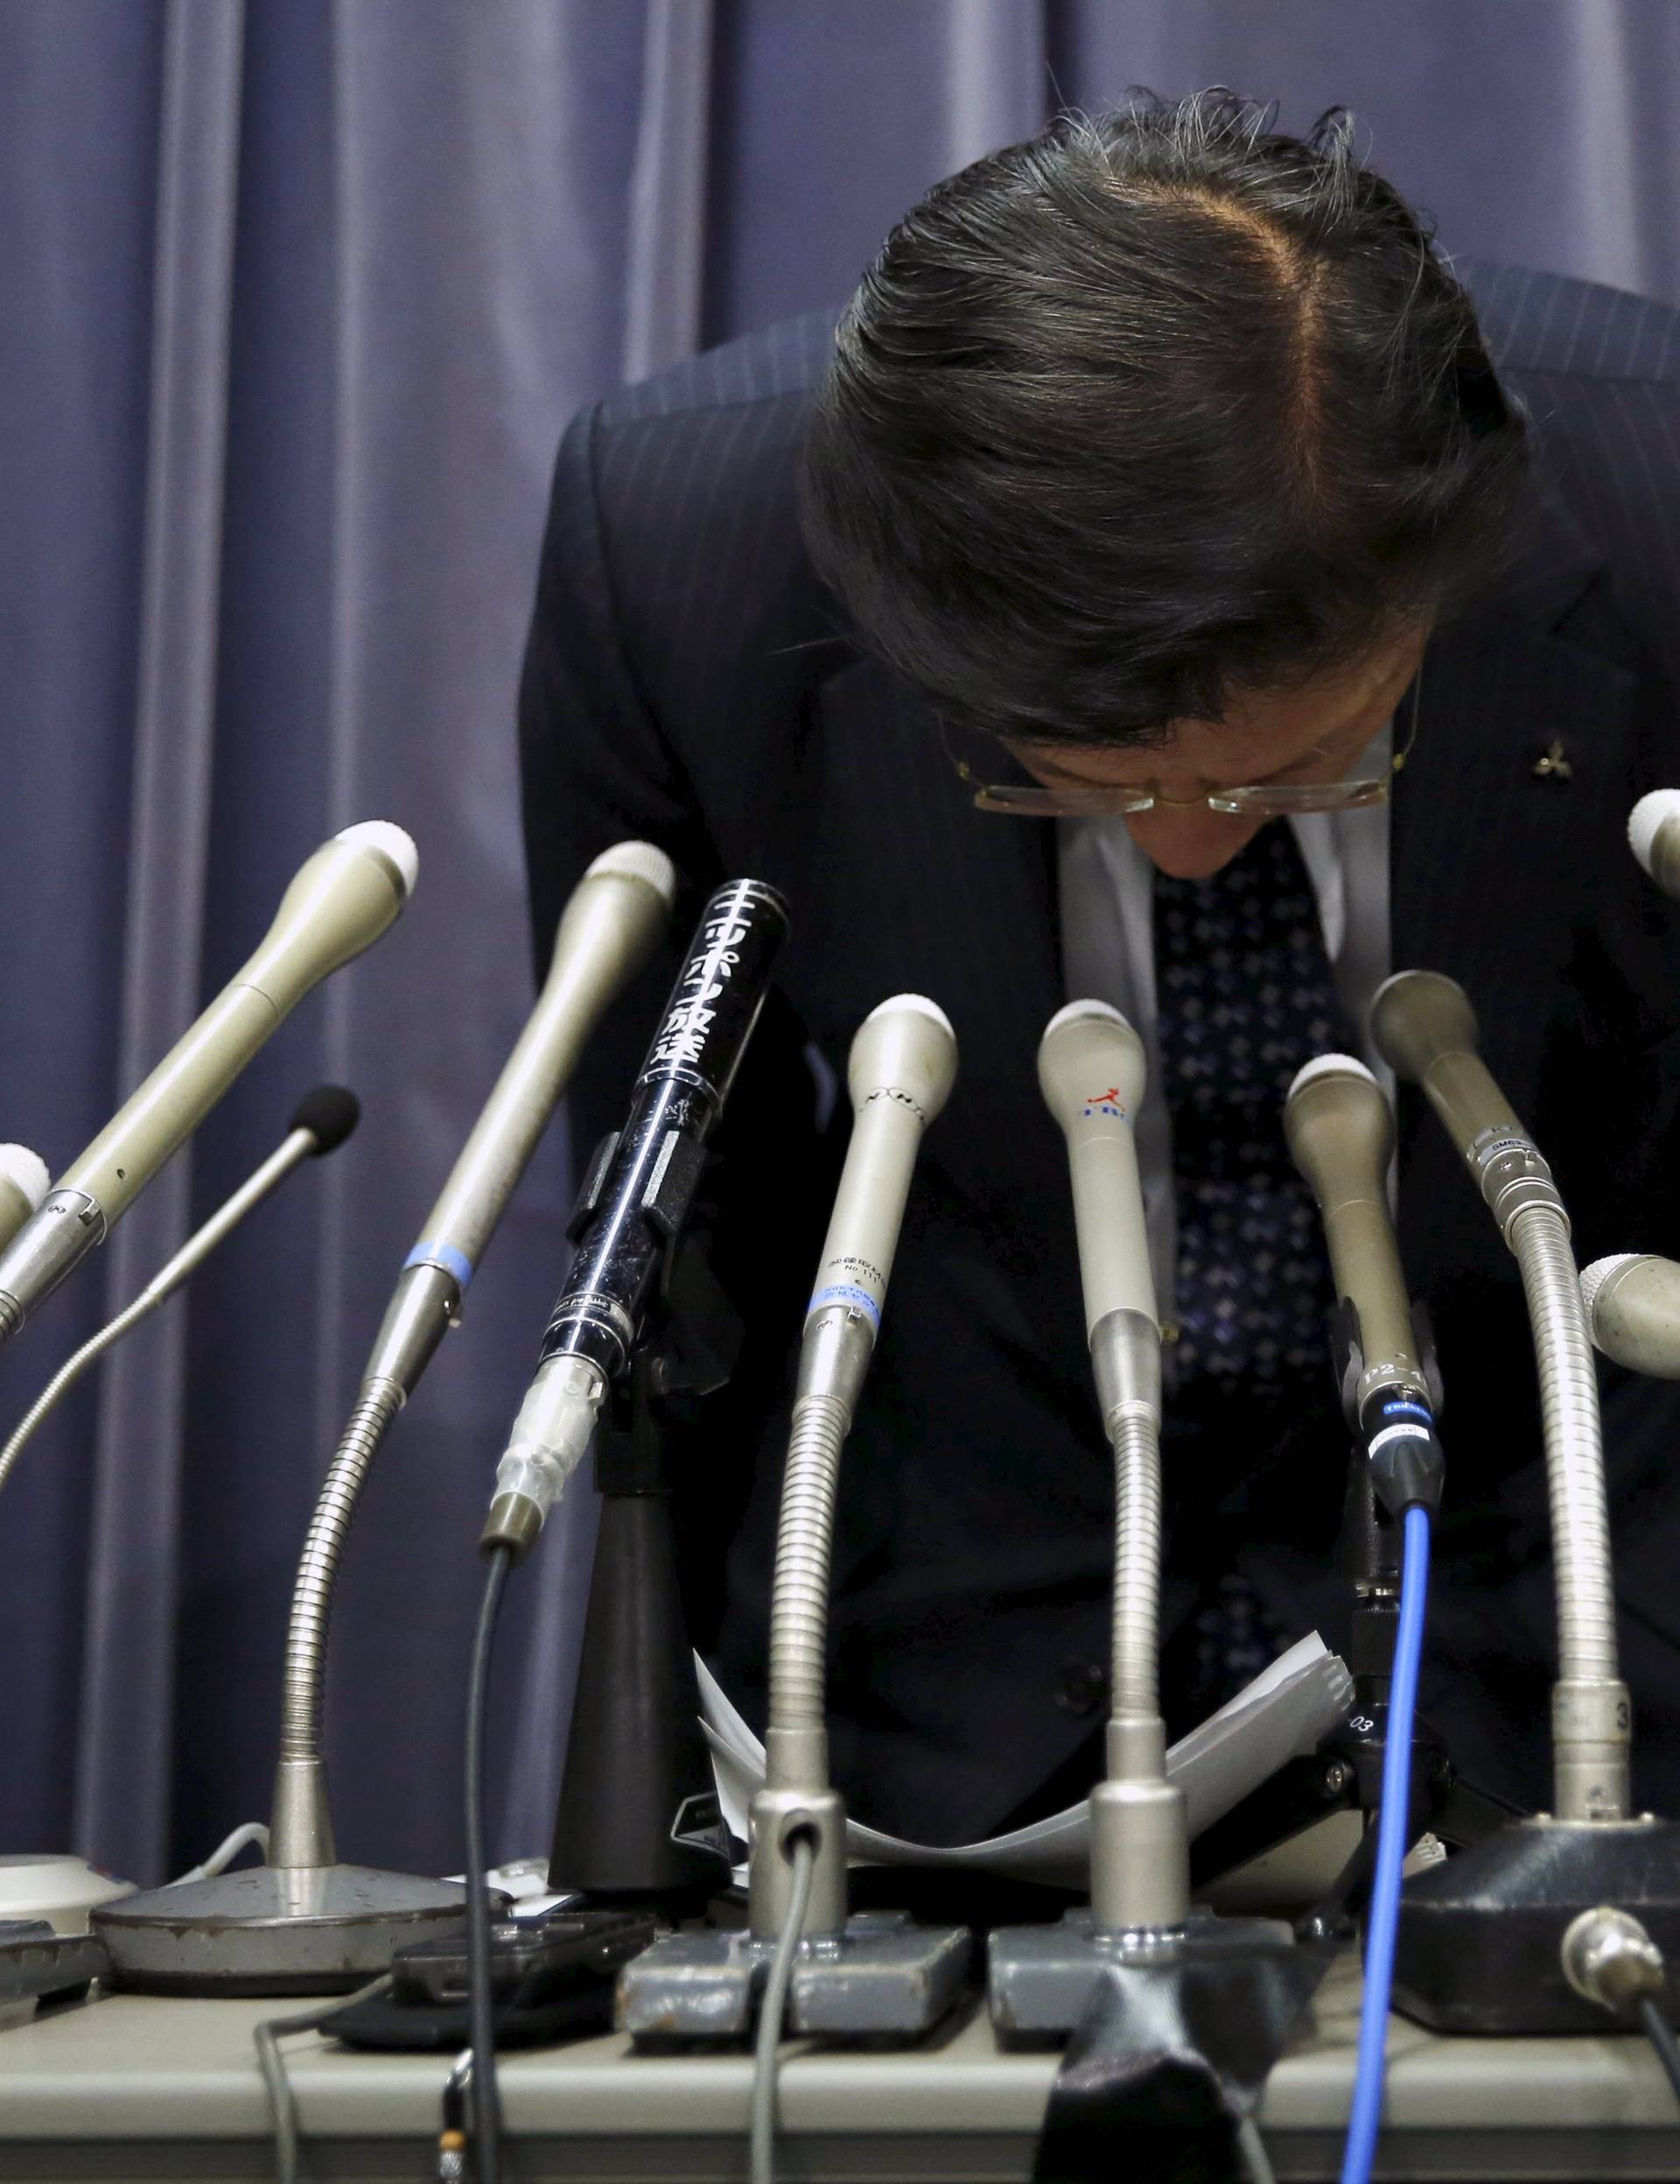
(268, 1929)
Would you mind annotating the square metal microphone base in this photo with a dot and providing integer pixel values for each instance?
(882, 1980)
(1039, 1979)
(1480, 1942)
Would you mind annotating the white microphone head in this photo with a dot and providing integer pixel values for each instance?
(1645, 821)
(392, 841)
(637, 860)
(1328, 1065)
(1090, 1058)
(904, 1046)
(26, 1172)
(1338, 1125)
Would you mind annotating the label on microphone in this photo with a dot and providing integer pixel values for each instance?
(1399, 1433)
(445, 1256)
(847, 1293)
(716, 1001)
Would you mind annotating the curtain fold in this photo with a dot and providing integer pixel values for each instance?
(666, 262)
(300, 296)
(124, 1734)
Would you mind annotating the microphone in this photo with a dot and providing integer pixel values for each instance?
(635, 1200)
(323, 1119)
(340, 901)
(1091, 1069)
(24, 1178)
(615, 915)
(1341, 1135)
(902, 1066)
(606, 933)
(1654, 837)
(1425, 1030)
(1632, 1311)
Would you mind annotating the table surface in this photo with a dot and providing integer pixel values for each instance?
(131, 2086)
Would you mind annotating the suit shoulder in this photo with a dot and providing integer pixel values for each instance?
(1549, 322)
(785, 359)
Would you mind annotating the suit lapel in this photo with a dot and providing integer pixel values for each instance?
(1482, 844)
(958, 905)
(967, 896)
(1487, 857)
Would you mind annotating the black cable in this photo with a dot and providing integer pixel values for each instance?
(481, 2000)
(1662, 2038)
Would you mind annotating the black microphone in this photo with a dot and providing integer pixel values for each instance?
(329, 1114)
(636, 1200)
(320, 1123)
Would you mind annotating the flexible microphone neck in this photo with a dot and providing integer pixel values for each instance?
(613, 919)
(1091, 1069)
(902, 1066)
(1424, 1028)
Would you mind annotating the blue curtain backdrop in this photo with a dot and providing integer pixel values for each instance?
(297, 295)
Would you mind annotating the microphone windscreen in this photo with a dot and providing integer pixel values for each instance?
(392, 841)
(26, 1171)
(1328, 1065)
(329, 1113)
(1651, 839)
(637, 860)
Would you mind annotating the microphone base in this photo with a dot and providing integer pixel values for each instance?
(880, 1979)
(1040, 1979)
(1481, 1941)
(274, 1930)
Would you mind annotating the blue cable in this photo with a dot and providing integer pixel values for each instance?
(1392, 1828)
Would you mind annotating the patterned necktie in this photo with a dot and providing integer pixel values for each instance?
(1244, 996)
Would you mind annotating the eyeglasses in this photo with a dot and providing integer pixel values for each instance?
(1001, 783)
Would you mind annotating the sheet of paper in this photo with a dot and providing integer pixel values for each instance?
(1287, 1709)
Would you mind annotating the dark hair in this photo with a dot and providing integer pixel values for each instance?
(1150, 408)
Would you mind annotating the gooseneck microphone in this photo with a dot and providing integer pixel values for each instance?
(1341, 1135)
(24, 1180)
(339, 904)
(1091, 1072)
(902, 1066)
(635, 1202)
(1654, 837)
(1425, 1030)
(323, 1120)
(615, 916)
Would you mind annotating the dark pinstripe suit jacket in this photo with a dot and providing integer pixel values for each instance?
(690, 682)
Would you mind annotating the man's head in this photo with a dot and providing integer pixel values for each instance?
(1154, 446)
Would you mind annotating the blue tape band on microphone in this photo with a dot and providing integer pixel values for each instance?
(443, 1255)
(1400, 1410)
(846, 1293)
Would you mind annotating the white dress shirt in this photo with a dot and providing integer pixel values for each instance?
(1107, 898)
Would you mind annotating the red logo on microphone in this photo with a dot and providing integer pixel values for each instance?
(1106, 1103)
